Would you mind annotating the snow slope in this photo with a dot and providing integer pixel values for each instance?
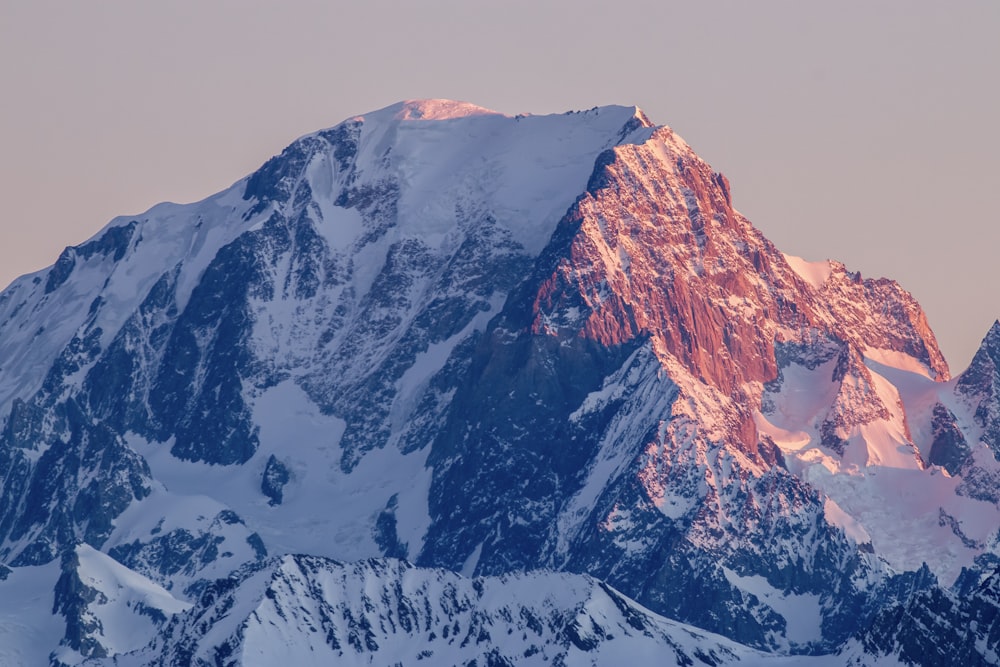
(29, 630)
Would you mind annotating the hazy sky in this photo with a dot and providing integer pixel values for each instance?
(861, 131)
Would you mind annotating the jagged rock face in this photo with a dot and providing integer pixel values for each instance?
(938, 627)
(657, 253)
(654, 287)
(311, 611)
(949, 448)
(108, 608)
(72, 597)
(307, 271)
(660, 252)
(66, 479)
(980, 386)
(493, 344)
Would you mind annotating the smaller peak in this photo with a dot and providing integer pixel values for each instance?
(630, 122)
(434, 109)
(641, 117)
(992, 339)
(989, 348)
(990, 344)
(985, 365)
(618, 110)
(638, 126)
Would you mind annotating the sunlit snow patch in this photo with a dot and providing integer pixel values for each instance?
(880, 490)
(814, 273)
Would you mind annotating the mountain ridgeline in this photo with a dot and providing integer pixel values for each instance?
(443, 384)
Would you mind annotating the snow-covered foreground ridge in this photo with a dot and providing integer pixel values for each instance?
(304, 610)
(492, 345)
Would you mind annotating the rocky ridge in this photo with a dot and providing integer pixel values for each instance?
(308, 610)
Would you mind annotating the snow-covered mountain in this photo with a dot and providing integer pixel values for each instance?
(494, 345)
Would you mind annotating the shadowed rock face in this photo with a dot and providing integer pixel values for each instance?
(980, 385)
(950, 450)
(654, 285)
(937, 627)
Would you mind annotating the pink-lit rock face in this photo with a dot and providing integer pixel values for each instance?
(660, 253)
(683, 382)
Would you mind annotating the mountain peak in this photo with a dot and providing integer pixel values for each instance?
(446, 109)
(489, 343)
(992, 339)
(989, 348)
(435, 109)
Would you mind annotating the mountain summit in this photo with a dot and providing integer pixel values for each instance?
(544, 350)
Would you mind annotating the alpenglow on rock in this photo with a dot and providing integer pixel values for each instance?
(537, 349)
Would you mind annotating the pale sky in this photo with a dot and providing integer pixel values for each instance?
(861, 131)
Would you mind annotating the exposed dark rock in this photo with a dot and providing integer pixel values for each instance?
(273, 480)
